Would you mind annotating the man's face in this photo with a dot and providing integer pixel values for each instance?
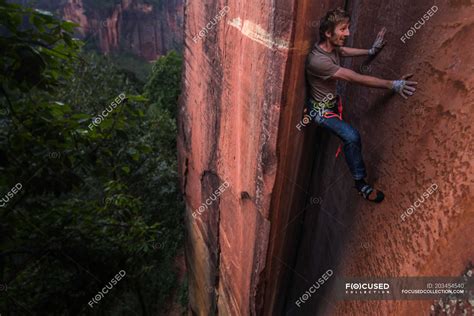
(341, 32)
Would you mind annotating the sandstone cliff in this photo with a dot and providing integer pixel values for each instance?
(289, 212)
(141, 28)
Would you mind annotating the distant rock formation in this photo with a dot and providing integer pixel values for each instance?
(142, 29)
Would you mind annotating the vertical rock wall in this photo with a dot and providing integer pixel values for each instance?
(145, 29)
(408, 146)
(229, 124)
(289, 212)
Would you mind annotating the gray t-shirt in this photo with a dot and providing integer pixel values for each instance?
(320, 66)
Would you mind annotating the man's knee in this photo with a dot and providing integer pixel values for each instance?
(353, 136)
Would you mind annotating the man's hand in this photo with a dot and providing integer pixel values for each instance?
(404, 87)
(379, 43)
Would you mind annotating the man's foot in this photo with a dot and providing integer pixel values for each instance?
(368, 192)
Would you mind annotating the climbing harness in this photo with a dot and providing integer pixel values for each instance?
(324, 108)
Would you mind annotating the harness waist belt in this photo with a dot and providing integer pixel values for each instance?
(320, 106)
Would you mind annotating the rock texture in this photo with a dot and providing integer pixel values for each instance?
(290, 212)
(138, 27)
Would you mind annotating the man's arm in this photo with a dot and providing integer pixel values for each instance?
(402, 86)
(352, 52)
(377, 46)
(354, 77)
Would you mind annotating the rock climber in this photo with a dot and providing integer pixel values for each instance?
(322, 72)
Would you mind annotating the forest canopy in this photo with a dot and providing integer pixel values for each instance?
(89, 184)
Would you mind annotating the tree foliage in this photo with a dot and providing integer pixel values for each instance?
(95, 199)
(166, 72)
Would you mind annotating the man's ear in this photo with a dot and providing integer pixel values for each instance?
(328, 34)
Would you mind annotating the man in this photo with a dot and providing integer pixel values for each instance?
(323, 70)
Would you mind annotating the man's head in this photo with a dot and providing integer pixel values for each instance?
(334, 27)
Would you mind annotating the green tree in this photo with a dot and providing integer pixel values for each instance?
(166, 72)
(96, 197)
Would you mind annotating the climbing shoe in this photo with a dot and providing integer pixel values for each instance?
(370, 194)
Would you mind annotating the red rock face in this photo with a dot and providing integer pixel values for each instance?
(139, 28)
(290, 212)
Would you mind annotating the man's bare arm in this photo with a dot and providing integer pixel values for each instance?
(354, 77)
(377, 46)
(352, 52)
(402, 87)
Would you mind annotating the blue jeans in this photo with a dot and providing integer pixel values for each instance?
(352, 143)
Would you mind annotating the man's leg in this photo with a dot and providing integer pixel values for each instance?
(352, 144)
(353, 153)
